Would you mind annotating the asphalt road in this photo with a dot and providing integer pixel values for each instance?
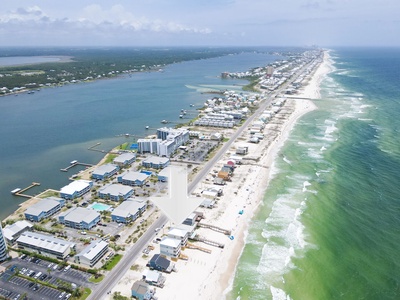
(127, 261)
(129, 258)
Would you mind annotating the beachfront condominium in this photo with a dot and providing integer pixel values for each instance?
(3, 246)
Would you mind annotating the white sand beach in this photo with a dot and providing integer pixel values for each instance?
(209, 276)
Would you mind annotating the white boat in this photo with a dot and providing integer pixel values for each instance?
(147, 127)
(164, 121)
(73, 162)
(14, 191)
(181, 116)
(191, 105)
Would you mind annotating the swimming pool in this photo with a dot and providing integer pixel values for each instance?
(99, 206)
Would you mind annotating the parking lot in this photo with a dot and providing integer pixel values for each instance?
(13, 287)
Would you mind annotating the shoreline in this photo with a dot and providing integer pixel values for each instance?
(211, 276)
(216, 281)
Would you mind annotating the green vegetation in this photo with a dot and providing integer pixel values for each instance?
(251, 86)
(96, 278)
(118, 296)
(91, 63)
(81, 294)
(110, 158)
(49, 193)
(112, 262)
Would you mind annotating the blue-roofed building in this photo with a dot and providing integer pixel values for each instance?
(115, 192)
(155, 162)
(43, 209)
(105, 171)
(129, 210)
(125, 159)
(76, 189)
(133, 178)
(79, 218)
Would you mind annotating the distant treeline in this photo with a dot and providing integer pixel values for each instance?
(93, 63)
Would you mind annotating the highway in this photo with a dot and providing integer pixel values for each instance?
(132, 254)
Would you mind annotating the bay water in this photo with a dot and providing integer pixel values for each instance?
(42, 132)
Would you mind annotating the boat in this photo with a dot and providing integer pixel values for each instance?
(14, 191)
(184, 112)
(73, 162)
(147, 127)
(164, 121)
(191, 105)
(126, 134)
(181, 116)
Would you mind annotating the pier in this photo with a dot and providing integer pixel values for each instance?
(92, 148)
(193, 246)
(20, 192)
(215, 228)
(206, 241)
(75, 163)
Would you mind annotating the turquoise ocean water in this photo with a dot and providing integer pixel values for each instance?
(329, 224)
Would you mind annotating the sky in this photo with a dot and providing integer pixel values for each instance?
(200, 23)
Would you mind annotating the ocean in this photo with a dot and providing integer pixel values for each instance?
(42, 132)
(329, 223)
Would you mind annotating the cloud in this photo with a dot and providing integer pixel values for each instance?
(93, 19)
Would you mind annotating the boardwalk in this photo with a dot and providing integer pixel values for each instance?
(21, 192)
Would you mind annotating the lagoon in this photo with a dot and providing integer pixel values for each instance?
(42, 132)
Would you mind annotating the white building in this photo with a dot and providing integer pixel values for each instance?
(3, 246)
(179, 234)
(13, 231)
(170, 247)
(45, 245)
(149, 145)
(92, 253)
(76, 189)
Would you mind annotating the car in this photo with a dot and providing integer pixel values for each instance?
(31, 284)
(157, 229)
(32, 274)
(50, 265)
(61, 295)
(23, 256)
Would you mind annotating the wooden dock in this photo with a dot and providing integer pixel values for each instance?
(215, 228)
(21, 192)
(202, 239)
(92, 148)
(75, 163)
(193, 246)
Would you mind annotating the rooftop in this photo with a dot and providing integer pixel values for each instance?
(42, 206)
(170, 242)
(107, 168)
(45, 241)
(93, 249)
(74, 186)
(80, 214)
(115, 189)
(128, 207)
